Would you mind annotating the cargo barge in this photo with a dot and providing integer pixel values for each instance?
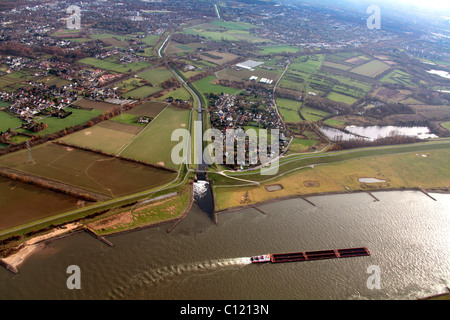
(311, 255)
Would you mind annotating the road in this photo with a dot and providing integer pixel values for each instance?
(198, 126)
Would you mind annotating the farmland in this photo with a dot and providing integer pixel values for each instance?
(341, 98)
(446, 125)
(102, 64)
(208, 85)
(39, 203)
(87, 170)
(156, 76)
(179, 93)
(8, 122)
(149, 109)
(323, 78)
(13, 81)
(99, 106)
(243, 74)
(141, 92)
(229, 31)
(289, 109)
(78, 116)
(154, 143)
(145, 83)
(278, 49)
(398, 76)
(371, 69)
(313, 115)
(108, 136)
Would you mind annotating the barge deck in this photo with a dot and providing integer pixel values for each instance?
(311, 255)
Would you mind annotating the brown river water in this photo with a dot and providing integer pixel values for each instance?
(407, 233)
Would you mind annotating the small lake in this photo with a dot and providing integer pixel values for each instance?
(441, 73)
(370, 180)
(376, 132)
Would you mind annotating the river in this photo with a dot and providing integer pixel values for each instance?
(406, 232)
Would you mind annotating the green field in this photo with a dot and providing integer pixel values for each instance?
(156, 76)
(179, 93)
(446, 125)
(230, 25)
(307, 64)
(142, 92)
(341, 98)
(334, 123)
(311, 114)
(289, 109)
(127, 118)
(149, 109)
(15, 80)
(371, 69)
(336, 65)
(398, 76)
(97, 105)
(230, 31)
(144, 215)
(113, 39)
(207, 85)
(154, 143)
(102, 64)
(150, 40)
(131, 84)
(8, 121)
(56, 81)
(278, 49)
(78, 116)
(107, 136)
(301, 145)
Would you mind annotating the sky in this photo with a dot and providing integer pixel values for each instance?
(441, 7)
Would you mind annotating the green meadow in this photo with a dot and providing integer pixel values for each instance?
(154, 143)
(207, 85)
(130, 67)
(289, 109)
(78, 116)
(8, 121)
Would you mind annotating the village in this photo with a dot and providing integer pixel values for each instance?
(243, 111)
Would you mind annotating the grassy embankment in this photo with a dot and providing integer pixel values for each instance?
(133, 217)
(400, 168)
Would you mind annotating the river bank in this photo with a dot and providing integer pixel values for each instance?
(414, 171)
(166, 210)
(318, 194)
(19, 254)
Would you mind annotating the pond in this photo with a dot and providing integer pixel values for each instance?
(376, 132)
(441, 73)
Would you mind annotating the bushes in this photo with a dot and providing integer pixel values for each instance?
(46, 184)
